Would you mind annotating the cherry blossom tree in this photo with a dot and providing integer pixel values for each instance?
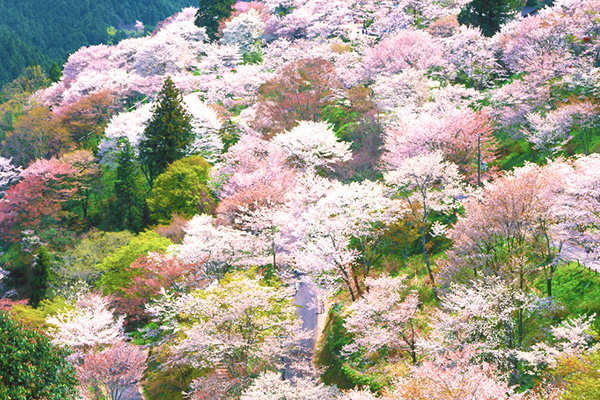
(270, 386)
(571, 338)
(87, 326)
(117, 369)
(580, 205)
(246, 30)
(253, 163)
(428, 184)
(408, 88)
(453, 376)
(538, 46)
(37, 200)
(221, 247)
(551, 131)
(312, 146)
(384, 317)
(300, 91)
(463, 136)
(269, 221)
(9, 174)
(407, 49)
(471, 56)
(135, 67)
(156, 271)
(489, 313)
(240, 323)
(509, 228)
(357, 210)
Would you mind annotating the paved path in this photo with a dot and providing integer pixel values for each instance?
(306, 298)
(132, 394)
(570, 252)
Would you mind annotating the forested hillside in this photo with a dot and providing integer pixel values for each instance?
(309, 200)
(48, 31)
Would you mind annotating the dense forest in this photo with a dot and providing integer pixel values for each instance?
(307, 200)
(34, 32)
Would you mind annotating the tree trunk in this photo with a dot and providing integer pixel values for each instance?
(428, 263)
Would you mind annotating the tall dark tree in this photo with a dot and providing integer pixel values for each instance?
(31, 367)
(39, 278)
(55, 73)
(129, 205)
(210, 12)
(168, 133)
(488, 15)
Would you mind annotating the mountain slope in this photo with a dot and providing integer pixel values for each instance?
(50, 31)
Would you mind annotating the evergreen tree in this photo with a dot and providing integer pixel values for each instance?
(487, 15)
(210, 12)
(55, 73)
(39, 278)
(168, 133)
(128, 208)
(31, 367)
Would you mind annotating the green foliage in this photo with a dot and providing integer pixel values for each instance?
(181, 190)
(39, 278)
(15, 96)
(16, 55)
(210, 12)
(576, 287)
(116, 276)
(168, 383)
(36, 317)
(31, 367)
(582, 376)
(140, 339)
(516, 154)
(18, 262)
(128, 208)
(82, 262)
(361, 380)
(168, 133)
(252, 57)
(487, 15)
(337, 370)
(329, 354)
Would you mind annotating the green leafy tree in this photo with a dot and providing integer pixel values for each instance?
(117, 275)
(182, 190)
(488, 15)
(128, 207)
(210, 12)
(82, 262)
(581, 376)
(168, 133)
(31, 367)
(39, 278)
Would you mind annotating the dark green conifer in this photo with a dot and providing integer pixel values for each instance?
(167, 135)
(55, 73)
(128, 208)
(39, 278)
(487, 15)
(210, 12)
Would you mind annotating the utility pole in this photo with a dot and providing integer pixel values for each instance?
(478, 159)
